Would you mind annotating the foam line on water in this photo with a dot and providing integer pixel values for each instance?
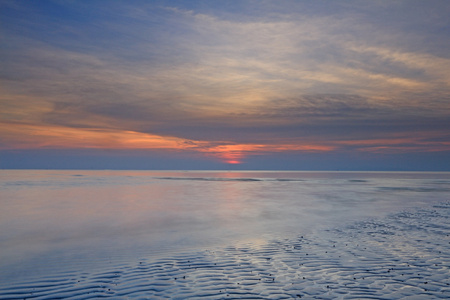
(227, 179)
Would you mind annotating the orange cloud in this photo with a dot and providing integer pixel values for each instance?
(26, 136)
(23, 136)
(235, 153)
(386, 141)
(421, 141)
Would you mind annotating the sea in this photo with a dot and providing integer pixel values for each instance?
(66, 223)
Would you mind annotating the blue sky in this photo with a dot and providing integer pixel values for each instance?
(308, 85)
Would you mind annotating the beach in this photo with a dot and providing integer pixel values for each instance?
(225, 149)
(394, 245)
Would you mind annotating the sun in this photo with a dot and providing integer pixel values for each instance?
(233, 162)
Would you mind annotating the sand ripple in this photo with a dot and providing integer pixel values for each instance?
(404, 256)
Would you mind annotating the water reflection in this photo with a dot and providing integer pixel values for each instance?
(77, 217)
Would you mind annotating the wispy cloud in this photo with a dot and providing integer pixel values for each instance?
(244, 80)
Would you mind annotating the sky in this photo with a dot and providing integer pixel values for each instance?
(260, 85)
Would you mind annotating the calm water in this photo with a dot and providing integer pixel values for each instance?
(64, 220)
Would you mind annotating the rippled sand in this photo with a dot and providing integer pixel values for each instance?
(403, 256)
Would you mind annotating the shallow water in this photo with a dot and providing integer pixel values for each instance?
(67, 221)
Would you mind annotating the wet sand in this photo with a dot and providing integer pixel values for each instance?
(403, 256)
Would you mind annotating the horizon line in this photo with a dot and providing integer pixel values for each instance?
(224, 170)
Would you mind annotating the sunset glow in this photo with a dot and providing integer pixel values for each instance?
(211, 84)
(233, 162)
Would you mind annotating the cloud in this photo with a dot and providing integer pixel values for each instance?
(237, 80)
